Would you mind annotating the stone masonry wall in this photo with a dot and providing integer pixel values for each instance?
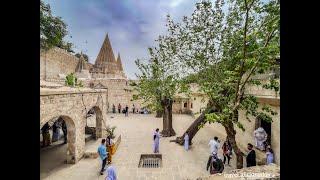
(73, 108)
(57, 61)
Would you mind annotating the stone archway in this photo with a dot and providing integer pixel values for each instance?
(71, 137)
(99, 119)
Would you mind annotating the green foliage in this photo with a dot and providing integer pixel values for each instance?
(52, 29)
(110, 131)
(223, 50)
(160, 76)
(72, 80)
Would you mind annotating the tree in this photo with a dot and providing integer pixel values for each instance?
(86, 57)
(52, 30)
(226, 49)
(159, 79)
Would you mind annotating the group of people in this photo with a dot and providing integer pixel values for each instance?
(217, 165)
(56, 127)
(105, 151)
(124, 110)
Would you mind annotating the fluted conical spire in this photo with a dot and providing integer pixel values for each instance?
(119, 63)
(105, 55)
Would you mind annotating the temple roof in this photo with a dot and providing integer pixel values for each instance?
(119, 63)
(105, 55)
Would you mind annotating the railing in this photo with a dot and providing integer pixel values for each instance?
(117, 143)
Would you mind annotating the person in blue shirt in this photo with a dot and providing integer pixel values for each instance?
(102, 151)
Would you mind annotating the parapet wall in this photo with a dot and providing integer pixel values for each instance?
(57, 61)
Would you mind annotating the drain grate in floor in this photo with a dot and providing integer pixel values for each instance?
(150, 161)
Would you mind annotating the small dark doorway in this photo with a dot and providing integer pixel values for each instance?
(266, 126)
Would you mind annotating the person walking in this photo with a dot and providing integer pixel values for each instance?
(226, 148)
(119, 108)
(251, 157)
(156, 141)
(109, 143)
(186, 141)
(102, 151)
(214, 145)
(270, 156)
(127, 110)
(133, 109)
(111, 173)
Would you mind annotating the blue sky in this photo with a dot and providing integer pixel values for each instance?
(132, 25)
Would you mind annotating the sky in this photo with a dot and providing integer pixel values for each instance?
(132, 25)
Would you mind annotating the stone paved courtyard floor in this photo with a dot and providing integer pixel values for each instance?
(136, 132)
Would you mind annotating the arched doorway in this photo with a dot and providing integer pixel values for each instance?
(58, 153)
(93, 129)
(266, 126)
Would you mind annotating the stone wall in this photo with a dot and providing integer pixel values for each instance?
(119, 91)
(57, 61)
(72, 106)
(243, 138)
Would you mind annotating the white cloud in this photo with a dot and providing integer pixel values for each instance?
(175, 3)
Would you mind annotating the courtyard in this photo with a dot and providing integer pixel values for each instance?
(136, 138)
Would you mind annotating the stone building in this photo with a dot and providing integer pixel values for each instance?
(196, 101)
(107, 72)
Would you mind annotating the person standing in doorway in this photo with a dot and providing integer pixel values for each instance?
(127, 110)
(56, 131)
(64, 130)
(186, 141)
(45, 135)
(156, 141)
(119, 108)
(102, 151)
(133, 109)
(270, 157)
(251, 157)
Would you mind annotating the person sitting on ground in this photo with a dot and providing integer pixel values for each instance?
(251, 157)
(102, 151)
(215, 164)
(111, 173)
(269, 154)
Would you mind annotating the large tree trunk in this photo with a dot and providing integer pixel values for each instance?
(167, 118)
(159, 113)
(193, 128)
(231, 134)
